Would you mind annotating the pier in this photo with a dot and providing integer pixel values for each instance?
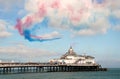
(69, 62)
(11, 68)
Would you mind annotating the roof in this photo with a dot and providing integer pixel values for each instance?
(72, 53)
(89, 57)
(69, 53)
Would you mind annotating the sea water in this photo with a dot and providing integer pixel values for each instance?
(112, 73)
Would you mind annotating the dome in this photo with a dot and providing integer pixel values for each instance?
(69, 53)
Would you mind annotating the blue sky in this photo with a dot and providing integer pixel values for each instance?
(91, 27)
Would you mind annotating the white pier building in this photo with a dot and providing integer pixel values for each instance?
(71, 57)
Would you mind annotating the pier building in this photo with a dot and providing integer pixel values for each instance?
(70, 57)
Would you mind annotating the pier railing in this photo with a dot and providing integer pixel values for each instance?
(42, 64)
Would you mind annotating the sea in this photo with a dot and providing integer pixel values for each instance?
(112, 73)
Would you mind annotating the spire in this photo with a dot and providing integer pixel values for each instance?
(71, 51)
(70, 47)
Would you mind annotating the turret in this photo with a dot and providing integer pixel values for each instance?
(69, 53)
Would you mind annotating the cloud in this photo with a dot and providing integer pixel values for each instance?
(8, 5)
(83, 17)
(23, 52)
(52, 35)
(99, 27)
(3, 29)
(117, 28)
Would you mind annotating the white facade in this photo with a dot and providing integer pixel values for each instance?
(72, 58)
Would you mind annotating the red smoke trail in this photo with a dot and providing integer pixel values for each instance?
(55, 4)
(42, 10)
(28, 21)
(19, 26)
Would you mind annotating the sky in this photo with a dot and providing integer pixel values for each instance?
(39, 30)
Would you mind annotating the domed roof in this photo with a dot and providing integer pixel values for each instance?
(69, 53)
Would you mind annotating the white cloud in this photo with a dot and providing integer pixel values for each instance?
(99, 27)
(52, 35)
(3, 29)
(75, 13)
(24, 50)
(7, 5)
(117, 28)
(23, 53)
(64, 13)
(113, 4)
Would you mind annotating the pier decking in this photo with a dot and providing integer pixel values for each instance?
(31, 67)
